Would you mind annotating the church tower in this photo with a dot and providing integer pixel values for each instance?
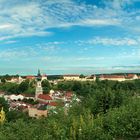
(39, 89)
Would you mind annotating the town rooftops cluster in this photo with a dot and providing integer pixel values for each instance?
(45, 102)
(119, 77)
(76, 77)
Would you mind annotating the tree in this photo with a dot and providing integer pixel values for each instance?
(46, 86)
(13, 115)
(11, 88)
(124, 122)
(3, 80)
(32, 83)
(81, 76)
(76, 86)
(30, 90)
(4, 104)
(23, 86)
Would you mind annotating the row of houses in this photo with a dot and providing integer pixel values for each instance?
(70, 77)
(46, 103)
(79, 78)
(20, 79)
(103, 77)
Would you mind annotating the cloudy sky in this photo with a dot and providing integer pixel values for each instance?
(69, 36)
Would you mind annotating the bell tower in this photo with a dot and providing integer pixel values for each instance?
(39, 89)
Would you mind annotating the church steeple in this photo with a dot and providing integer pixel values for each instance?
(39, 89)
(39, 75)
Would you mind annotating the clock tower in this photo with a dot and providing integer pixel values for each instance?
(39, 89)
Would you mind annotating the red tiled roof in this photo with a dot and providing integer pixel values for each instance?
(44, 97)
(30, 77)
(130, 76)
(68, 94)
(112, 76)
(53, 104)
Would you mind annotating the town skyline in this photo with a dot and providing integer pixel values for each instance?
(69, 36)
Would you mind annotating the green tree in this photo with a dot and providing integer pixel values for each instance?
(46, 86)
(3, 80)
(81, 76)
(76, 86)
(23, 86)
(13, 115)
(11, 88)
(4, 104)
(30, 90)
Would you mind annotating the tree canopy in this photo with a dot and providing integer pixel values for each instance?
(108, 110)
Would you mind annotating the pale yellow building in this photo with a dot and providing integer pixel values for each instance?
(36, 113)
(112, 77)
(71, 77)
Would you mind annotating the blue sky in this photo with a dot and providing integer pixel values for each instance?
(69, 36)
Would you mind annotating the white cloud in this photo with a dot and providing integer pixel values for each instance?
(21, 20)
(33, 18)
(18, 53)
(89, 58)
(10, 54)
(10, 42)
(5, 26)
(31, 52)
(110, 41)
(91, 22)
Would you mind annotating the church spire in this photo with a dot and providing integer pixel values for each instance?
(39, 74)
(39, 89)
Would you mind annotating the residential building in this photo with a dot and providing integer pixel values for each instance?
(17, 80)
(71, 77)
(131, 77)
(112, 77)
(44, 98)
(43, 77)
(36, 113)
(30, 77)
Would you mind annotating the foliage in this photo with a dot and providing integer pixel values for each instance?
(30, 90)
(46, 86)
(4, 104)
(14, 115)
(14, 88)
(54, 77)
(3, 80)
(124, 122)
(117, 123)
(81, 76)
(30, 101)
(108, 110)
(23, 86)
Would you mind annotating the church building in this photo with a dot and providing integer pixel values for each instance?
(39, 89)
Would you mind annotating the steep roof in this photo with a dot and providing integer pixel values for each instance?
(30, 77)
(130, 76)
(112, 76)
(53, 104)
(44, 97)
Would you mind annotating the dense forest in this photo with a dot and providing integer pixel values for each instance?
(109, 110)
